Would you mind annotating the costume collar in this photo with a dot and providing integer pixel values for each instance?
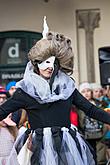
(39, 88)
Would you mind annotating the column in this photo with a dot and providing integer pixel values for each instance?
(89, 20)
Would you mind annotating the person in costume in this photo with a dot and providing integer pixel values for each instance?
(47, 93)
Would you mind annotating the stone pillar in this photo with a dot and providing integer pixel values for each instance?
(89, 20)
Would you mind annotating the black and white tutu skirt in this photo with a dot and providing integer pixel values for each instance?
(53, 146)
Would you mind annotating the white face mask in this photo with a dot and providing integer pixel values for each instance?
(48, 63)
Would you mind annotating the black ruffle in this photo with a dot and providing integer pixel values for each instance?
(21, 141)
(73, 134)
(57, 136)
(60, 146)
(37, 146)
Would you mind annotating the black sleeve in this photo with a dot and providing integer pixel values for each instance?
(14, 103)
(90, 109)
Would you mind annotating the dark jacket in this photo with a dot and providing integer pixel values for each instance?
(51, 114)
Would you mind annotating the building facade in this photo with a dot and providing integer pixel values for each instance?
(85, 22)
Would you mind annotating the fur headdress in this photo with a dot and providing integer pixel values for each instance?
(54, 44)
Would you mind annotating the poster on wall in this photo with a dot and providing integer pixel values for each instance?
(13, 51)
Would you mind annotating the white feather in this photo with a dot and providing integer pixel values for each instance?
(45, 28)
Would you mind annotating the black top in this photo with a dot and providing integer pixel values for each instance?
(51, 114)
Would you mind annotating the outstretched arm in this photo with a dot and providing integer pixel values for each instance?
(90, 110)
(13, 104)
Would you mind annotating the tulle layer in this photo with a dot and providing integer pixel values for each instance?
(53, 146)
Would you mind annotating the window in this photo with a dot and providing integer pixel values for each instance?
(14, 47)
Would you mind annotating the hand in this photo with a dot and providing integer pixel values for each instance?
(2, 124)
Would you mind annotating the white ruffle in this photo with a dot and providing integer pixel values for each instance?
(50, 157)
(39, 88)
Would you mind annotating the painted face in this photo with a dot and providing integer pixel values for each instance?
(48, 63)
(46, 67)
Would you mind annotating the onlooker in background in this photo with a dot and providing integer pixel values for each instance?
(8, 132)
(106, 95)
(97, 96)
(107, 139)
(20, 116)
(106, 98)
(74, 116)
(97, 90)
(11, 88)
(92, 129)
(23, 123)
(3, 95)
